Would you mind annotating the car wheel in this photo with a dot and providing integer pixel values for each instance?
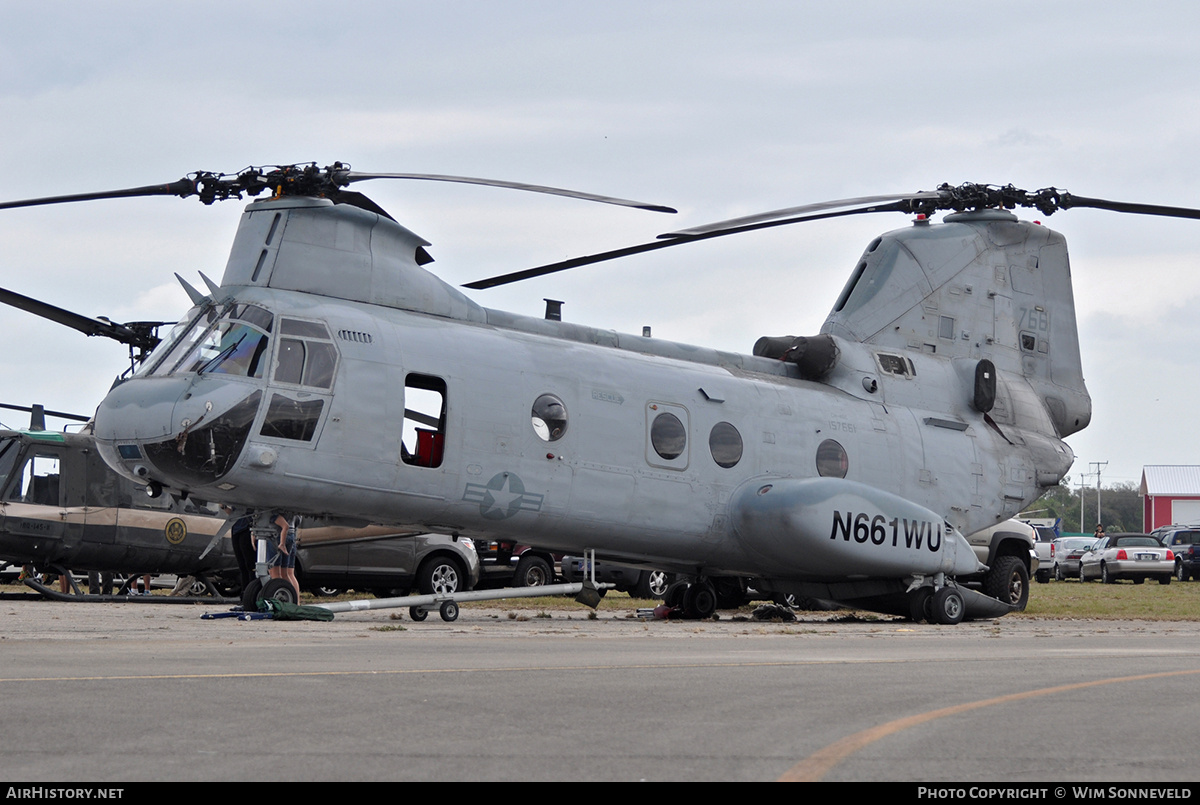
(1042, 576)
(948, 606)
(1139, 580)
(1164, 579)
(1081, 576)
(1104, 577)
(533, 571)
(328, 592)
(651, 584)
(1058, 573)
(439, 576)
(1180, 573)
(1008, 581)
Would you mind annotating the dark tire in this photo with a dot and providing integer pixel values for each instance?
(948, 606)
(1082, 578)
(1139, 580)
(449, 611)
(700, 600)
(1104, 577)
(1042, 576)
(1164, 579)
(279, 590)
(418, 613)
(652, 584)
(327, 592)
(251, 594)
(533, 571)
(1058, 573)
(1008, 581)
(1180, 573)
(919, 603)
(673, 596)
(440, 575)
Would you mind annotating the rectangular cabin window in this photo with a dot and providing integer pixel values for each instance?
(423, 441)
(37, 481)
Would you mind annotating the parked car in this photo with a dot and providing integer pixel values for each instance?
(1044, 548)
(1183, 540)
(1007, 549)
(1127, 556)
(509, 564)
(638, 582)
(384, 563)
(1066, 552)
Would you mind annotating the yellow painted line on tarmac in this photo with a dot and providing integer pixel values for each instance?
(814, 768)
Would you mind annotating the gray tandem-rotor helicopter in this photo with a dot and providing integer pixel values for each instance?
(330, 374)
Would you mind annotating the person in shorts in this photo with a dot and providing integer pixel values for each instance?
(281, 553)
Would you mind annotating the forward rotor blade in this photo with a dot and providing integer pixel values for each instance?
(84, 324)
(356, 176)
(863, 202)
(183, 188)
(677, 239)
(47, 412)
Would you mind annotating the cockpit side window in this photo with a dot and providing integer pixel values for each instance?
(307, 356)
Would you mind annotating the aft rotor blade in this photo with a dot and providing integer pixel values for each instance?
(75, 321)
(183, 188)
(1066, 201)
(674, 239)
(356, 176)
(862, 204)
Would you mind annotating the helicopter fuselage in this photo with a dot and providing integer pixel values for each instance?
(330, 374)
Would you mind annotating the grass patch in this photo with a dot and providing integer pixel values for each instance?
(1121, 601)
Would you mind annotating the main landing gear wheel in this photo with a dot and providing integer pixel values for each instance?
(948, 606)
(449, 611)
(699, 600)
(675, 591)
(920, 605)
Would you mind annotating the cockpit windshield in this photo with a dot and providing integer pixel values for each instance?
(235, 342)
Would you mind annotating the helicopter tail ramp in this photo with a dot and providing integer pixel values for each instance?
(983, 286)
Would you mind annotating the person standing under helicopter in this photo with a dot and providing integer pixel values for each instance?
(281, 554)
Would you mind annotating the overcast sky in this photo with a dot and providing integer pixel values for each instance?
(717, 108)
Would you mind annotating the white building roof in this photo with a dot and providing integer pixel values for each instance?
(1171, 479)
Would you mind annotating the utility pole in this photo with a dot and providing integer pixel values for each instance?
(1099, 465)
(1082, 488)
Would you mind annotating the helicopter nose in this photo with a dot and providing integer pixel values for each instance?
(140, 409)
(188, 431)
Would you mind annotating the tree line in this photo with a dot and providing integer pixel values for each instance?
(1120, 507)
